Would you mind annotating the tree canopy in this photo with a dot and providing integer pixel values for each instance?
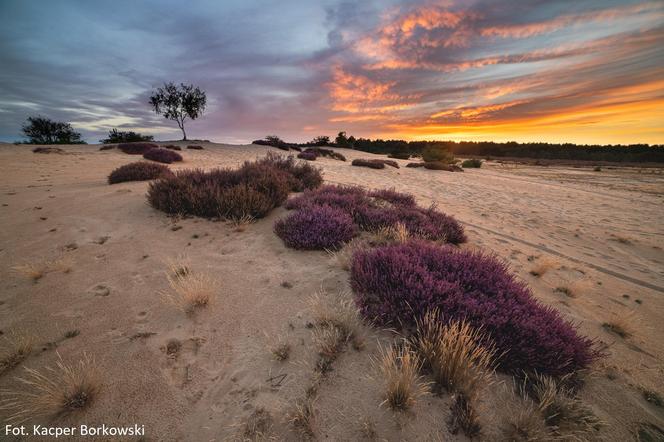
(179, 102)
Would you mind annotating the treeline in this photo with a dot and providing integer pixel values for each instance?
(633, 153)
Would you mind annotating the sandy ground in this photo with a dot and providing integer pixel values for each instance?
(599, 233)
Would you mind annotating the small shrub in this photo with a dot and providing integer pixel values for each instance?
(54, 392)
(162, 155)
(47, 150)
(136, 148)
(438, 155)
(372, 164)
(108, 147)
(329, 153)
(471, 163)
(390, 163)
(597, 169)
(116, 136)
(399, 155)
(399, 367)
(248, 192)
(194, 147)
(320, 227)
(138, 171)
(396, 285)
(172, 147)
(438, 165)
(415, 165)
(309, 156)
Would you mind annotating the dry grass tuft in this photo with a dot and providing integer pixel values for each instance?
(525, 423)
(454, 354)
(542, 266)
(368, 428)
(564, 413)
(16, 348)
(623, 325)
(35, 271)
(330, 342)
(258, 426)
(343, 257)
(464, 417)
(281, 351)
(390, 235)
(303, 418)
(340, 314)
(54, 392)
(190, 291)
(241, 223)
(399, 366)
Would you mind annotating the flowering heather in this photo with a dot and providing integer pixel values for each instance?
(136, 148)
(396, 285)
(252, 190)
(317, 228)
(394, 197)
(162, 155)
(138, 171)
(369, 214)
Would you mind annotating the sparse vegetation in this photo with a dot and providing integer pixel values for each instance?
(543, 265)
(36, 270)
(138, 171)
(191, 291)
(56, 391)
(303, 418)
(258, 426)
(623, 325)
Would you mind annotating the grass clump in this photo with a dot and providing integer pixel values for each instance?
(138, 171)
(56, 391)
(15, 349)
(399, 367)
(460, 358)
(191, 291)
(302, 418)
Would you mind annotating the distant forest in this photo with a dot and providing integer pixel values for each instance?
(633, 153)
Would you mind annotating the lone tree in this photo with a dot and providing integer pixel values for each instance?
(179, 103)
(42, 130)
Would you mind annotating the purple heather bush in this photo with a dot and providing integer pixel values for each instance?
(136, 148)
(316, 228)
(309, 156)
(396, 285)
(369, 214)
(162, 155)
(194, 147)
(138, 171)
(252, 190)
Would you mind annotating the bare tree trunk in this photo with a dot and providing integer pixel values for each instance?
(184, 134)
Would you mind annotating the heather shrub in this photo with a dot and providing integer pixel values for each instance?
(471, 163)
(108, 147)
(162, 155)
(399, 155)
(136, 148)
(393, 197)
(317, 228)
(390, 163)
(138, 171)
(172, 147)
(47, 150)
(373, 164)
(329, 153)
(437, 165)
(370, 211)
(396, 285)
(253, 190)
(309, 156)
(413, 165)
(437, 154)
(195, 147)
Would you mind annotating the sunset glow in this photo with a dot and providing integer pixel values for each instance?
(583, 72)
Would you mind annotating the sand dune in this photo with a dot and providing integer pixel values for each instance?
(598, 234)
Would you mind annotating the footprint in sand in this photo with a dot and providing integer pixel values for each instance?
(100, 290)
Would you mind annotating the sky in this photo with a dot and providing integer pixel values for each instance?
(581, 71)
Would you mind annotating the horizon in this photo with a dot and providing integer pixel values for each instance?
(586, 72)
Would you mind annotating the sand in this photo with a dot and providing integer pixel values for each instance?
(599, 234)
